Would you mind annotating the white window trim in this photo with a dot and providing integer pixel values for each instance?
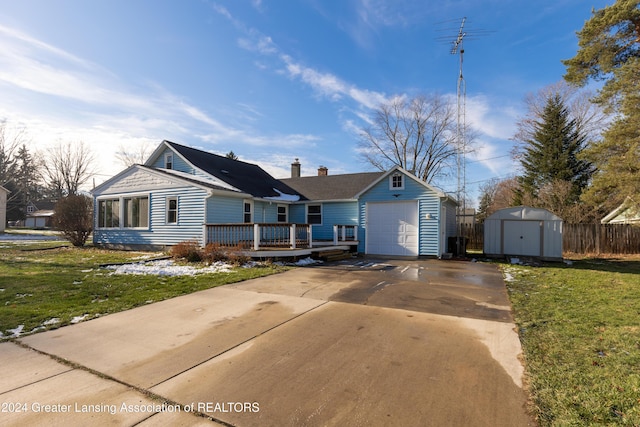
(167, 157)
(251, 211)
(286, 213)
(395, 174)
(104, 199)
(121, 198)
(166, 210)
(306, 217)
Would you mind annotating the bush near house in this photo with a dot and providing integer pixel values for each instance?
(190, 251)
(74, 218)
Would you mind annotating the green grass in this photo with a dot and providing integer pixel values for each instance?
(40, 284)
(579, 326)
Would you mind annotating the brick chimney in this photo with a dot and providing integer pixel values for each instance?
(295, 169)
(323, 171)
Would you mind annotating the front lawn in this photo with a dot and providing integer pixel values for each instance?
(47, 288)
(579, 325)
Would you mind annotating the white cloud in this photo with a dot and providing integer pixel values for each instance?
(60, 97)
(490, 116)
(324, 84)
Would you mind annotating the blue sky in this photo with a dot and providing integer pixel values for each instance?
(273, 80)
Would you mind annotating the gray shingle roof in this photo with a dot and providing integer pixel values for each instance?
(332, 187)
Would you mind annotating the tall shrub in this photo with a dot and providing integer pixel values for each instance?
(74, 218)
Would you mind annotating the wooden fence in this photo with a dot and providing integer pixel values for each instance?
(577, 238)
(601, 238)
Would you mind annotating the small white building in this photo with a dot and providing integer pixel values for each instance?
(523, 231)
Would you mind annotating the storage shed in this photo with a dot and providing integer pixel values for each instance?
(523, 231)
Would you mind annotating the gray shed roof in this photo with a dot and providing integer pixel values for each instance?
(332, 187)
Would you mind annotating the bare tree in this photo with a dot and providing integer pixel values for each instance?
(417, 134)
(67, 166)
(497, 194)
(135, 155)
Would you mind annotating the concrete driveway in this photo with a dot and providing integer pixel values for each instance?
(361, 342)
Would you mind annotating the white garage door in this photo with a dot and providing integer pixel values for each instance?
(392, 228)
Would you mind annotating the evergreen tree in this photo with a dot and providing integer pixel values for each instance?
(552, 153)
(610, 51)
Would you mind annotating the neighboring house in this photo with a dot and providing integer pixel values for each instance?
(4, 194)
(39, 214)
(627, 213)
(181, 193)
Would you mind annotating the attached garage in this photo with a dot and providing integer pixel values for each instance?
(392, 228)
(523, 231)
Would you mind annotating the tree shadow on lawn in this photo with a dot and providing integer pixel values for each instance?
(614, 263)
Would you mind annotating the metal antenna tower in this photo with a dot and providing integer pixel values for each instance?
(457, 48)
(461, 126)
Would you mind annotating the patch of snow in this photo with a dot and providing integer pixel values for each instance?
(78, 319)
(508, 277)
(52, 321)
(568, 262)
(167, 267)
(515, 261)
(284, 197)
(307, 261)
(16, 332)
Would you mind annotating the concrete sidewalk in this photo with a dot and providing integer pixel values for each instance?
(279, 350)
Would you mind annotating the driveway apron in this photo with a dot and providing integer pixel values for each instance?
(361, 342)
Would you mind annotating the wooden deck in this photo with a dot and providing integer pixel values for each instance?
(266, 240)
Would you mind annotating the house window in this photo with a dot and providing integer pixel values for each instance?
(31, 209)
(109, 213)
(396, 182)
(314, 214)
(172, 210)
(136, 212)
(247, 218)
(282, 213)
(168, 161)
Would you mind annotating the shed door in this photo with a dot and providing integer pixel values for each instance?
(392, 228)
(522, 237)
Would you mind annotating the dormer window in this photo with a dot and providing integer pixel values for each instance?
(168, 161)
(396, 181)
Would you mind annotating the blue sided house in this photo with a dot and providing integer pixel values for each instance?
(182, 193)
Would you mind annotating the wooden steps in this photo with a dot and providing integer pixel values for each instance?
(333, 255)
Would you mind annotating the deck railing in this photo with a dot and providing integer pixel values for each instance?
(260, 236)
(345, 233)
(273, 236)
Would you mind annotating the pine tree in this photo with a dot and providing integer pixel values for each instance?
(610, 51)
(552, 153)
